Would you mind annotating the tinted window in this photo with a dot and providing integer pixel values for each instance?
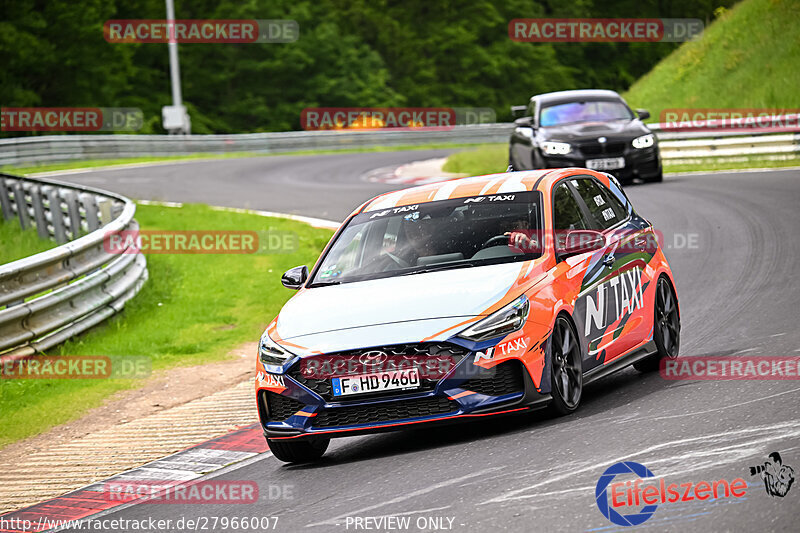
(456, 233)
(604, 206)
(566, 212)
(592, 111)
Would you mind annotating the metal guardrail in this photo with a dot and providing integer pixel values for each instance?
(51, 296)
(51, 148)
(676, 145)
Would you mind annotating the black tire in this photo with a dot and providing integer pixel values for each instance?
(301, 451)
(666, 327)
(566, 368)
(658, 178)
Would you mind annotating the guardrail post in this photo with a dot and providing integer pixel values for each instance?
(39, 217)
(105, 211)
(74, 213)
(56, 216)
(89, 203)
(22, 206)
(5, 201)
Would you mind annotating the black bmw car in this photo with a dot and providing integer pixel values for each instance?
(587, 128)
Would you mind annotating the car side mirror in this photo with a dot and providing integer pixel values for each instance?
(518, 110)
(644, 114)
(295, 278)
(579, 241)
(524, 122)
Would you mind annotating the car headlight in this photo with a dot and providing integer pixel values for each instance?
(509, 318)
(645, 141)
(271, 353)
(555, 148)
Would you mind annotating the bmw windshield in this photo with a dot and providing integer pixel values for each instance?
(441, 235)
(590, 111)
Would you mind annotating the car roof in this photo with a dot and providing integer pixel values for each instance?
(505, 182)
(577, 95)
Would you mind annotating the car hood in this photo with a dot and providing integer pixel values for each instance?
(620, 129)
(395, 310)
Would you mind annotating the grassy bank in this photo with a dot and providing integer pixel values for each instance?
(193, 309)
(747, 58)
(16, 244)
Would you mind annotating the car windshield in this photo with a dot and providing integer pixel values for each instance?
(439, 235)
(591, 111)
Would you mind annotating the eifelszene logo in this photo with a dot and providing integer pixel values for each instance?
(645, 499)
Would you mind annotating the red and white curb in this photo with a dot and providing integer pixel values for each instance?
(186, 465)
(416, 173)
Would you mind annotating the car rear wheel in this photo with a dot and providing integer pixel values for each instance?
(666, 327)
(300, 451)
(566, 368)
(658, 178)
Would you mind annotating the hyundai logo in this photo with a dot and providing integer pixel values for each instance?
(374, 357)
(601, 140)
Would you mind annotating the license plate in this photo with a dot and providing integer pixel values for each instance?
(609, 163)
(378, 382)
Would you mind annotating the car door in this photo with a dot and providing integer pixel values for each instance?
(612, 297)
(571, 213)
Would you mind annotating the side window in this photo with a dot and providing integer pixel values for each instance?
(566, 211)
(604, 206)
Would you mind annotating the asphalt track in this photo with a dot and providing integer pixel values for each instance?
(733, 245)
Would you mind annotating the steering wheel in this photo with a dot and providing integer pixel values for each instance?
(497, 240)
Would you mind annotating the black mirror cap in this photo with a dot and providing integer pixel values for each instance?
(518, 110)
(524, 122)
(644, 114)
(295, 277)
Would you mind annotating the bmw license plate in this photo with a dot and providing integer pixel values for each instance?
(378, 382)
(609, 163)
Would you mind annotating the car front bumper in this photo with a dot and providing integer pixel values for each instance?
(466, 393)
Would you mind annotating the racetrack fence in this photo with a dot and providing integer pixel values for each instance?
(51, 296)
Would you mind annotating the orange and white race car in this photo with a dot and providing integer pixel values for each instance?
(463, 299)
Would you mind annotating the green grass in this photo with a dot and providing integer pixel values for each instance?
(16, 244)
(484, 159)
(747, 58)
(93, 163)
(192, 310)
(491, 158)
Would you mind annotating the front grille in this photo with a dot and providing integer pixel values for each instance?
(371, 414)
(435, 355)
(506, 379)
(278, 407)
(602, 149)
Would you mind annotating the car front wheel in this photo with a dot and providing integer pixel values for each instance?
(566, 369)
